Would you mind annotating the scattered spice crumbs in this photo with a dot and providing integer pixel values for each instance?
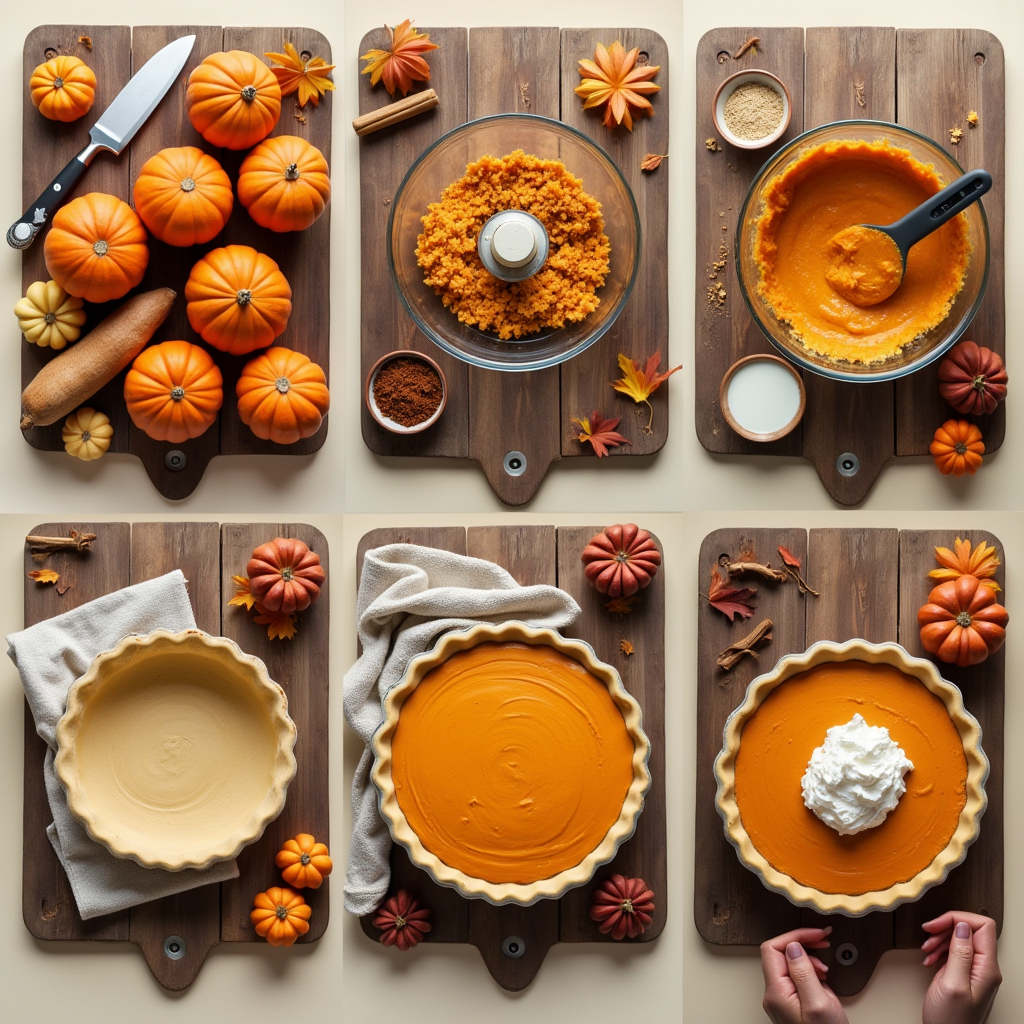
(955, 135)
(86, 41)
(720, 264)
(712, 146)
(972, 118)
(626, 647)
(859, 91)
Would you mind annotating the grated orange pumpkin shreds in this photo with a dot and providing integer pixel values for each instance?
(563, 290)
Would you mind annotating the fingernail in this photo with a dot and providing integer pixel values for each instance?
(963, 930)
(794, 951)
(828, 930)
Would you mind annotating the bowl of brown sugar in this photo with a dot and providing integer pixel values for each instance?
(406, 391)
(751, 109)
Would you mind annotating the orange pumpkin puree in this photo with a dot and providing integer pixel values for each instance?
(511, 762)
(834, 186)
(777, 742)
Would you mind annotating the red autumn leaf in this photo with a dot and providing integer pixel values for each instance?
(730, 601)
(788, 557)
(600, 433)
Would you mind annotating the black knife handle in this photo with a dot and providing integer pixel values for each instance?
(23, 232)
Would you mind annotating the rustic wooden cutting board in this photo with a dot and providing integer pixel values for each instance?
(490, 413)
(872, 583)
(925, 79)
(118, 51)
(544, 554)
(209, 555)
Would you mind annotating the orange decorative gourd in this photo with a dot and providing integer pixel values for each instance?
(284, 183)
(96, 248)
(63, 88)
(962, 623)
(280, 916)
(957, 448)
(183, 196)
(173, 391)
(285, 575)
(238, 299)
(282, 396)
(233, 100)
(304, 862)
(621, 560)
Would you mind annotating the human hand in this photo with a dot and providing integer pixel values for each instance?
(964, 987)
(793, 989)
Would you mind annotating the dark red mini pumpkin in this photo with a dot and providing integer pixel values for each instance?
(621, 560)
(402, 921)
(285, 576)
(972, 379)
(622, 906)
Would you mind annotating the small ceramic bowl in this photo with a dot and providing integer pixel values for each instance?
(754, 411)
(729, 86)
(371, 404)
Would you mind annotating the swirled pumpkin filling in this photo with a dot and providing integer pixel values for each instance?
(828, 282)
(777, 743)
(511, 762)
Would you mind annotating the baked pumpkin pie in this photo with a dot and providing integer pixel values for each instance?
(510, 762)
(789, 715)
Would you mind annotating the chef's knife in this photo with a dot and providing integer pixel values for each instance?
(113, 131)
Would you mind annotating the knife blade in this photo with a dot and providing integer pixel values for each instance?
(116, 127)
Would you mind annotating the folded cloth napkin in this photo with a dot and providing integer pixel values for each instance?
(50, 656)
(408, 596)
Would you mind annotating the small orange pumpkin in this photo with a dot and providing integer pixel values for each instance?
(233, 100)
(238, 299)
(280, 916)
(957, 448)
(282, 396)
(63, 88)
(284, 183)
(304, 862)
(183, 196)
(96, 248)
(173, 391)
(962, 623)
(285, 575)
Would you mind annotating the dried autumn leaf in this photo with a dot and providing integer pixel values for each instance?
(402, 64)
(86, 41)
(613, 80)
(306, 77)
(788, 557)
(280, 625)
(626, 647)
(652, 161)
(641, 384)
(242, 598)
(621, 605)
(793, 568)
(980, 562)
(730, 601)
(599, 433)
(43, 575)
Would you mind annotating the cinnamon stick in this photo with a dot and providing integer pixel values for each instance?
(75, 541)
(384, 117)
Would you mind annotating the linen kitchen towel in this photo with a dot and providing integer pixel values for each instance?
(50, 656)
(409, 595)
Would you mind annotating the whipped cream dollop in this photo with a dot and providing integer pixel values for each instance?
(855, 778)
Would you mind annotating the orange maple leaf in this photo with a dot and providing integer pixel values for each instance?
(43, 575)
(280, 625)
(599, 433)
(613, 80)
(306, 77)
(980, 562)
(402, 64)
(626, 647)
(242, 598)
(641, 384)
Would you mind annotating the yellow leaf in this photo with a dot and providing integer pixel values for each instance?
(306, 77)
(242, 598)
(280, 626)
(641, 384)
(43, 575)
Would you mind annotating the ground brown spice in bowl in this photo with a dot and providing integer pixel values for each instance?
(407, 390)
(563, 290)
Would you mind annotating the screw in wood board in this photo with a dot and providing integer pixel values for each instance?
(514, 463)
(848, 464)
(174, 460)
(174, 947)
(513, 947)
(979, 59)
(846, 954)
(642, 58)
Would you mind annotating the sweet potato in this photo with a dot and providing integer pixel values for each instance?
(74, 376)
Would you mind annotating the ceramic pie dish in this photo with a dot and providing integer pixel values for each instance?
(769, 739)
(510, 763)
(176, 749)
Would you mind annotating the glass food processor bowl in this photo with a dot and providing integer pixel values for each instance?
(445, 162)
(926, 347)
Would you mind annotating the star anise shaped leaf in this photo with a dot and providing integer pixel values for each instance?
(599, 433)
(306, 77)
(613, 80)
(981, 561)
(403, 64)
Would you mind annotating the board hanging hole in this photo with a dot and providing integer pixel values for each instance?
(514, 463)
(848, 464)
(513, 946)
(846, 954)
(174, 947)
(979, 59)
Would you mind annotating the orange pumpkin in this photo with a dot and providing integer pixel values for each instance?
(280, 916)
(173, 391)
(183, 196)
(282, 396)
(304, 862)
(957, 448)
(63, 88)
(233, 100)
(284, 183)
(96, 248)
(962, 623)
(238, 299)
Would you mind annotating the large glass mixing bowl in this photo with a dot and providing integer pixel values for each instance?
(444, 162)
(926, 347)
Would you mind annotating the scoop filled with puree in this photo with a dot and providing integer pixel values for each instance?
(841, 284)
